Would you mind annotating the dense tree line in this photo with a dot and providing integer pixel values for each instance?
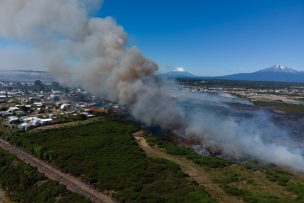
(24, 183)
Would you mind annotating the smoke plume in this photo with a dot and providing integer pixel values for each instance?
(91, 52)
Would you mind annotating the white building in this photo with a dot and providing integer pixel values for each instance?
(11, 110)
(46, 121)
(13, 119)
(38, 104)
(64, 106)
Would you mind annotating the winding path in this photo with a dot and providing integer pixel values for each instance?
(194, 171)
(71, 182)
(2, 196)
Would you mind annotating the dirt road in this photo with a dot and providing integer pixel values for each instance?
(72, 183)
(194, 171)
(3, 198)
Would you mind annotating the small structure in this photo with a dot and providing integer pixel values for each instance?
(38, 104)
(5, 114)
(87, 115)
(64, 106)
(12, 110)
(32, 121)
(99, 111)
(46, 121)
(13, 119)
(25, 126)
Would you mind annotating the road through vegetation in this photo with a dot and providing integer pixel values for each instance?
(197, 173)
(72, 184)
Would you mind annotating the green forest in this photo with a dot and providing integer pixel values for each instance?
(24, 183)
(105, 155)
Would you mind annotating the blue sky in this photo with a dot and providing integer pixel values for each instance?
(214, 37)
(206, 37)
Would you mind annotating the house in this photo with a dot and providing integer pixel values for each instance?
(38, 104)
(53, 115)
(3, 98)
(46, 121)
(5, 114)
(12, 110)
(13, 119)
(25, 126)
(55, 97)
(32, 121)
(9, 112)
(39, 110)
(116, 106)
(88, 115)
(64, 106)
(34, 99)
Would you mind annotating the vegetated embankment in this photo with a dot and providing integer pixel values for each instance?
(72, 183)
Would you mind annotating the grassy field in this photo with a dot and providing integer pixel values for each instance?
(106, 155)
(24, 183)
(252, 181)
(277, 105)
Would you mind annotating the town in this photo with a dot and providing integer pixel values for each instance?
(29, 105)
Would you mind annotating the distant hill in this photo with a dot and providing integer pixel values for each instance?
(276, 73)
(25, 75)
(179, 72)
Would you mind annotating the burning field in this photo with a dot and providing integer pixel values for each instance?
(91, 52)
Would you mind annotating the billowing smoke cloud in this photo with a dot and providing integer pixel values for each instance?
(91, 52)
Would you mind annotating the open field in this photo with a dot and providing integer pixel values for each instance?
(281, 106)
(279, 96)
(200, 175)
(106, 155)
(251, 181)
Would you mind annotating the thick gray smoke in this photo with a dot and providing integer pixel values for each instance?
(91, 52)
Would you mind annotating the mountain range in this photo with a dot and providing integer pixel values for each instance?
(276, 73)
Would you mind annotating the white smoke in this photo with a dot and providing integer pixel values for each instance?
(91, 52)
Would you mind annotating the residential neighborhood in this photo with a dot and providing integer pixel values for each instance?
(33, 104)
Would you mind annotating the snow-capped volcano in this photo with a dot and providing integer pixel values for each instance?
(279, 69)
(179, 69)
(178, 72)
(277, 73)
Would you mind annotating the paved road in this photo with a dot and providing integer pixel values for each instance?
(72, 183)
